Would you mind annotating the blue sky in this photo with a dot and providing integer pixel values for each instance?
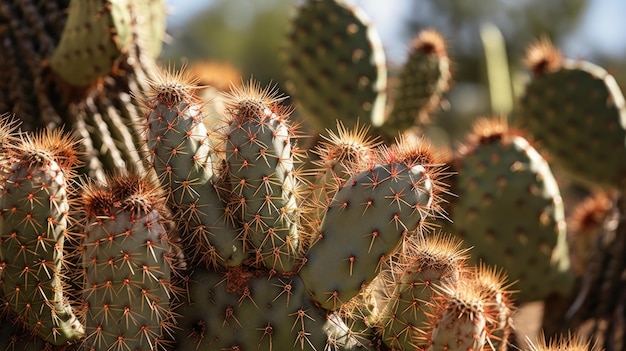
(602, 29)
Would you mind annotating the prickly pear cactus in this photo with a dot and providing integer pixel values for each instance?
(577, 112)
(492, 286)
(339, 153)
(126, 267)
(509, 209)
(183, 156)
(34, 211)
(335, 65)
(424, 79)
(260, 157)
(364, 224)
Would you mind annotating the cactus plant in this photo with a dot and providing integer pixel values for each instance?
(95, 35)
(501, 174)
(398, 194)
(282, 256)
(260, 157)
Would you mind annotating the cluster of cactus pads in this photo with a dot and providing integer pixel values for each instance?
(225, 230)
(228, 245)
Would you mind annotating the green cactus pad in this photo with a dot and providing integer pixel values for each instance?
(126, 289)
(184, 158)
(241, 311)
(339, 154)
(260, 159)
(509, 209)
(95, 35)
(365, 222)
(423, 81)
(33, 227)
(576, 111)
(335, 65)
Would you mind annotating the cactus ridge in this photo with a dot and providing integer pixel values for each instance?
(34, 210)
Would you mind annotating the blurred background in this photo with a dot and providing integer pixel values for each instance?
(248, 34)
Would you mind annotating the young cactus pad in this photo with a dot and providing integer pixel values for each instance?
(34, 210)
(424, 79)
(415, 276)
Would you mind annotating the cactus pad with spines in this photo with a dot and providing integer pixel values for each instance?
(183, 156)
(335, 65)
(577, 112)
(340, 153)
(95, 35)
(126, 268)
(34, 210)
(492, 285)
(260, 157)
(424, 79)
(365, 222)
(509, 209)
